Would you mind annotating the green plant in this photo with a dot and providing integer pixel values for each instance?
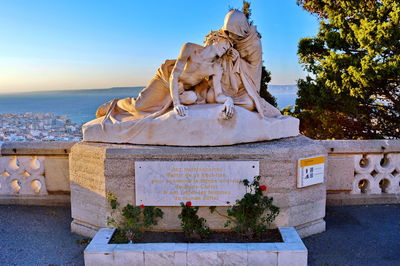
(193, 226)
(352, 91)
(253, 213)
(134, 221)
(112, 200)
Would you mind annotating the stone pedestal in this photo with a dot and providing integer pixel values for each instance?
(98, 168)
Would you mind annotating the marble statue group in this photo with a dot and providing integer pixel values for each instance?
(211, 89)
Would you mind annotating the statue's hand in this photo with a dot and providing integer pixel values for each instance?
(181, 110)
(233, 54)
(228, 108)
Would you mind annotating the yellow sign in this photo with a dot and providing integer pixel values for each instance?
(312, 161)
(310, 171)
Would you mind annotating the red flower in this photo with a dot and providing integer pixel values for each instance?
(141, 206)
(189, 204)
(263, 188)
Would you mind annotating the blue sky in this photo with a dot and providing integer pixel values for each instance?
(68, 44)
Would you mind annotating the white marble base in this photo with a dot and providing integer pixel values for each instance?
(289, 252)
(203, 127)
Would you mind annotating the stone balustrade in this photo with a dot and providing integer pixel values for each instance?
(34, 173)
(363, 171)
(359, 172)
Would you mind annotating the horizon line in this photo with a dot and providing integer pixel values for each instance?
(107, 88)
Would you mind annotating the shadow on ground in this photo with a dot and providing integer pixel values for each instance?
(356, 235)
(31, 235)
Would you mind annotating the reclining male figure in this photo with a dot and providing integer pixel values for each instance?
(194, 66)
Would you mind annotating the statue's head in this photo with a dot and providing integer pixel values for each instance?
(236, 25)
(219, 40)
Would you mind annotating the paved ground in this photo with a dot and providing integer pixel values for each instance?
(356, 235)
(38, 236)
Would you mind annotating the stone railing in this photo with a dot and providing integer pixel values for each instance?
(359, 172)
(34, 173)
(363, 171)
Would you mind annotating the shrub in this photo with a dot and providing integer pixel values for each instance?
(193, 226)
(252, 214)
(135, 219)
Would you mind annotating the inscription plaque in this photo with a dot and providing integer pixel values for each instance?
(204, 183)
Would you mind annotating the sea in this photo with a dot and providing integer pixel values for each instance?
(81, 105)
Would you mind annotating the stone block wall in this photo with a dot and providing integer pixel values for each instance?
(97, 169)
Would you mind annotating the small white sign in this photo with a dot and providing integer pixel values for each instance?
(310, 171)
(204, 183)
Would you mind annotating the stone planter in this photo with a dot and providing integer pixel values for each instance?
(289, 252)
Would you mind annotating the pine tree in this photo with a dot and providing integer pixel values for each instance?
(264, 93)
(353, 90)
(246, 10)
